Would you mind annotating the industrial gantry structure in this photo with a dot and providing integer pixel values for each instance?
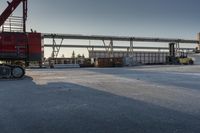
(110, 47)
(16, 44)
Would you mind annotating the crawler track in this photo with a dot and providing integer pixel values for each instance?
(11, 72)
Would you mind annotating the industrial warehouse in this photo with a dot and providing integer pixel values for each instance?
(113, 84)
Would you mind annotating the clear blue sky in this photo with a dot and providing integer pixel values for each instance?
(150, 18)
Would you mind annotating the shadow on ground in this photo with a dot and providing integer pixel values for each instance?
(71, 108)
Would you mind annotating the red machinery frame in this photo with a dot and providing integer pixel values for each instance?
(19, 45)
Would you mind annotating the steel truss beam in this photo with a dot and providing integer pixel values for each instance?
(115, 47)
(109, 48)
(117, 38)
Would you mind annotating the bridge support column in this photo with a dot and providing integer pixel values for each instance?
(131, 47)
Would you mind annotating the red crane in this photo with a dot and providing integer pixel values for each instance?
(17, 45)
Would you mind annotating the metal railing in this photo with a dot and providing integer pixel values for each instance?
(13, 24)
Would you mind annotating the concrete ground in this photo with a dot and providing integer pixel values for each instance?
(148, 99)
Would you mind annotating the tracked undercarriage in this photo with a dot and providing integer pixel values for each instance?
(11, 72)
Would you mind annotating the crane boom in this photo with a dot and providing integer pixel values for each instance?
(11, 7)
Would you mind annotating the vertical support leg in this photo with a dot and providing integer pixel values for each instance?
(107, 49)
(111, 49)
(58, 48)
(159, 56)
(131, 47)
(92, 52)
(198, 38)
(177, 49)
(128, 52)
(53, 52)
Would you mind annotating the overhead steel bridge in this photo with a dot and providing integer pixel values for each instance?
(117, 38)
(56, 46)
